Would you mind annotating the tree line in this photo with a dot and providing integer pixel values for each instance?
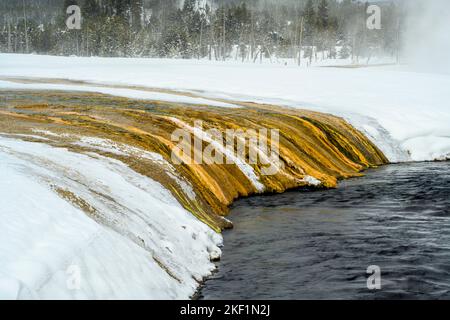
(303, 30)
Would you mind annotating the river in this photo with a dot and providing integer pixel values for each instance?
(319, 244)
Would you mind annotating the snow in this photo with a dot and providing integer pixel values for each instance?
(65, 213)
(393, 105)
(312, 181)
(118, 148)
(119, 92)
(429, 147)
(32, 136)
(134, 242)
(45, 132)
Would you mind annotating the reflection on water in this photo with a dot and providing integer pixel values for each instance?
(318, 245)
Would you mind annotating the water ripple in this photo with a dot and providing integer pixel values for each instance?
(318, 245)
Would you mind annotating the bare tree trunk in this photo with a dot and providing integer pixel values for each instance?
(256, 57)
(211, 37)
(224, 34)
(87, 42)
(78, 45)
(201, 40)
(9, 36)
(368, 58)
(252, 48)
(313, 44)
(398, 42)
(301, 43)
(315, 50)
(26, 28)
(294, 43)
(15, 40)
(353, 49)
(267, 49)
(217, 51)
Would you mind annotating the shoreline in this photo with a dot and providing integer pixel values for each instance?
(197, 295)
(341, 207)
(137, 132)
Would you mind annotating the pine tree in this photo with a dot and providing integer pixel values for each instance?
(322, 25)
(344, 53)
(252, 28)
(91, 9)
(310, 21)
(323, 15)
(68, 3)
(137, 9)
(122, 8)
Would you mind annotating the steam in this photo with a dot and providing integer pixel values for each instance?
(427, 39)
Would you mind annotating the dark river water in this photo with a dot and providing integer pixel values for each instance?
(319, 244)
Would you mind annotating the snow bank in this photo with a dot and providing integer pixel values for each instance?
(392, 105)
(80, 226)
(119, 92)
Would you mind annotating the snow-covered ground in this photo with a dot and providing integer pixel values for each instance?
(406, 113)
(119, 92)
(122, 235)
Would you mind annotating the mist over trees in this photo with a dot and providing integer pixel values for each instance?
(303, 30)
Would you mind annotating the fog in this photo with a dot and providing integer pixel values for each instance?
(427, 38)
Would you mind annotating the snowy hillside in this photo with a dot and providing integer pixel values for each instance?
(405, 113)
